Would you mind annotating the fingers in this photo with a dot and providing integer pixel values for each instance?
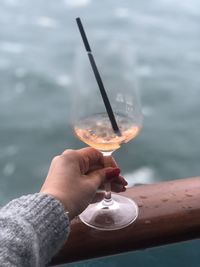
(92, 163)
(90, 159)
(120, 180)
(110, 162)
(118, 184)
(98, 177)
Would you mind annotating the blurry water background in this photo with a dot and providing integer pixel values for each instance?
(38, 46)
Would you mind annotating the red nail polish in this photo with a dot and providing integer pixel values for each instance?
(125, 183)
(124, 189)
(112, 173)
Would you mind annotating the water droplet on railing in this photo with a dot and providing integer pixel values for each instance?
(164, 199)
(188, 195)
(184, 207)
(143, 197)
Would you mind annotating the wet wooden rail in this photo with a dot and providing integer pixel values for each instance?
(168, 212)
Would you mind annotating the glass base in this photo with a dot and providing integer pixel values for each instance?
(110, 215)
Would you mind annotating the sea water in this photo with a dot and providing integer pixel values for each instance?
(38, 49)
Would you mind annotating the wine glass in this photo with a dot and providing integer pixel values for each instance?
(115, 60)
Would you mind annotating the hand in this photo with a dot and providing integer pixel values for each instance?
(75, 175)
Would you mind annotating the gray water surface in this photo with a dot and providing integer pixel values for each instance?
(38, 50)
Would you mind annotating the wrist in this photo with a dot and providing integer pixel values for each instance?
(65, 203)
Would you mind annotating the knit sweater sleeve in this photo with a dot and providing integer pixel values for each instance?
(32, 229)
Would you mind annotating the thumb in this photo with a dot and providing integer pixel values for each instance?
(101, 175)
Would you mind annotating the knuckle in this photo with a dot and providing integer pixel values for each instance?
(55, 159)
(69, 155)
(68, 151)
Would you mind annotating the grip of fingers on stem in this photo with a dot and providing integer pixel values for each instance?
(110, 174)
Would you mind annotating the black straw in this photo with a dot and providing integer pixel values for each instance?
(98, 79)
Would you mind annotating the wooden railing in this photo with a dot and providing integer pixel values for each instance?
(168, 212)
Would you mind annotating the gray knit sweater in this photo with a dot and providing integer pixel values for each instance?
(32, 229)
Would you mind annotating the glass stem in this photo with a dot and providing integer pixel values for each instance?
(108, 196)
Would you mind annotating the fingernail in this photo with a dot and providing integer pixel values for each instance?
(121, 180)
(125, 182)
(120, 188)
(112, 173)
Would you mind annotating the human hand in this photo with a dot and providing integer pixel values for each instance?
(75, 175)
